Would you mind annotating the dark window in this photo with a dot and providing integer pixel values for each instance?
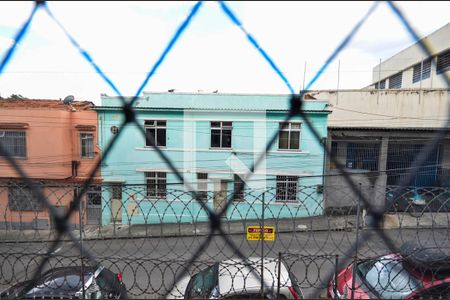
(363, 156)
(116, 191)
(87, 145)
(14, 142)
(202, 186)
(21, 198)
(422, 70)
(221, 134)
(94, 195)
(289, 136)
(287, 188)
(380, 85)
(395, 81)
(443, 62)
(155, 132)
(238, 195)
(156, 184)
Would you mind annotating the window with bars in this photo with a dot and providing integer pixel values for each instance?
(287, 187)
(87, 145)
(395, 81)
(363, 156)
(202, 186)
(380, 85)
(14, 142)
(155, 131)
(422, 70)
(221, 134)
(289, 136)
(20, 198)
(116, 191)
(443, 62)
(156, 185)
(238, 195)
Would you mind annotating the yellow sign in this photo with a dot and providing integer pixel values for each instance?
(254, 233)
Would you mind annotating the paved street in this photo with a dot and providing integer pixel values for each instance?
(149, 265)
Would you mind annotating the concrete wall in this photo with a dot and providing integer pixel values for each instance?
(387, 108)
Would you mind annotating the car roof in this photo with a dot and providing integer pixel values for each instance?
(427, 256)
(237, 275)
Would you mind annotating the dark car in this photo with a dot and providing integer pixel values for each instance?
(66, 283)
(416, 272)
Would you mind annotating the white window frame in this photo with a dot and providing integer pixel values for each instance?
(221, 129)
(17, 139)
(288, 128)
(160, 179)
(283, 186)
(85, 138)
(156, 127)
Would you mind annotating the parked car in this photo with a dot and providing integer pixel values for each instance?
(415, 272)
(238, 279)
(65, 283)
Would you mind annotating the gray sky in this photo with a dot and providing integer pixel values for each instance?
(126, 38)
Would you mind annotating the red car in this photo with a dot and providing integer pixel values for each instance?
(413, 273)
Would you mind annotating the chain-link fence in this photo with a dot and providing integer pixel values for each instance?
(151, 246)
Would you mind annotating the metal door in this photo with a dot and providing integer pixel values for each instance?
(220, 194)
(94, 206)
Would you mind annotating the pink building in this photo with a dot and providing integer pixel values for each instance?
(56, 146)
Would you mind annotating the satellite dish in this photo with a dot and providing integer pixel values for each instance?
(69, 99)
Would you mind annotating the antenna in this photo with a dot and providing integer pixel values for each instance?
(69, 99)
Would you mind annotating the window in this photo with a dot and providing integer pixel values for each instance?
(156, 184)
(289, 136)
(14, 143)
(395, 81)
(238, 195)
(380, 85)
(87, 145)
(116, 191)
(21, 199)
(422, 70)
(287, 188)
(202, 186)
(363, 156)
(221, 134)
(155, 131)
(443, 62)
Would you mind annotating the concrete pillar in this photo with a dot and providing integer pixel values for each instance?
(379, 200)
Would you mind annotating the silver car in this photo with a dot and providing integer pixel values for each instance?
(236, 278)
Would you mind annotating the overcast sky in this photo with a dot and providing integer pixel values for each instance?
(126, 38)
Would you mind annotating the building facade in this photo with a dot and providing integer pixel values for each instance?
(376, 136)
(212, 140)
(411, 68)
(55, 145)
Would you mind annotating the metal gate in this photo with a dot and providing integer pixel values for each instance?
(94, 206)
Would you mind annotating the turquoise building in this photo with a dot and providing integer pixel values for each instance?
(213, 140)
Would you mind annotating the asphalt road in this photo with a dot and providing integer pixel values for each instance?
(149, 265)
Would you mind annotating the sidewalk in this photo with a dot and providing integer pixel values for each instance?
(312, 224)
